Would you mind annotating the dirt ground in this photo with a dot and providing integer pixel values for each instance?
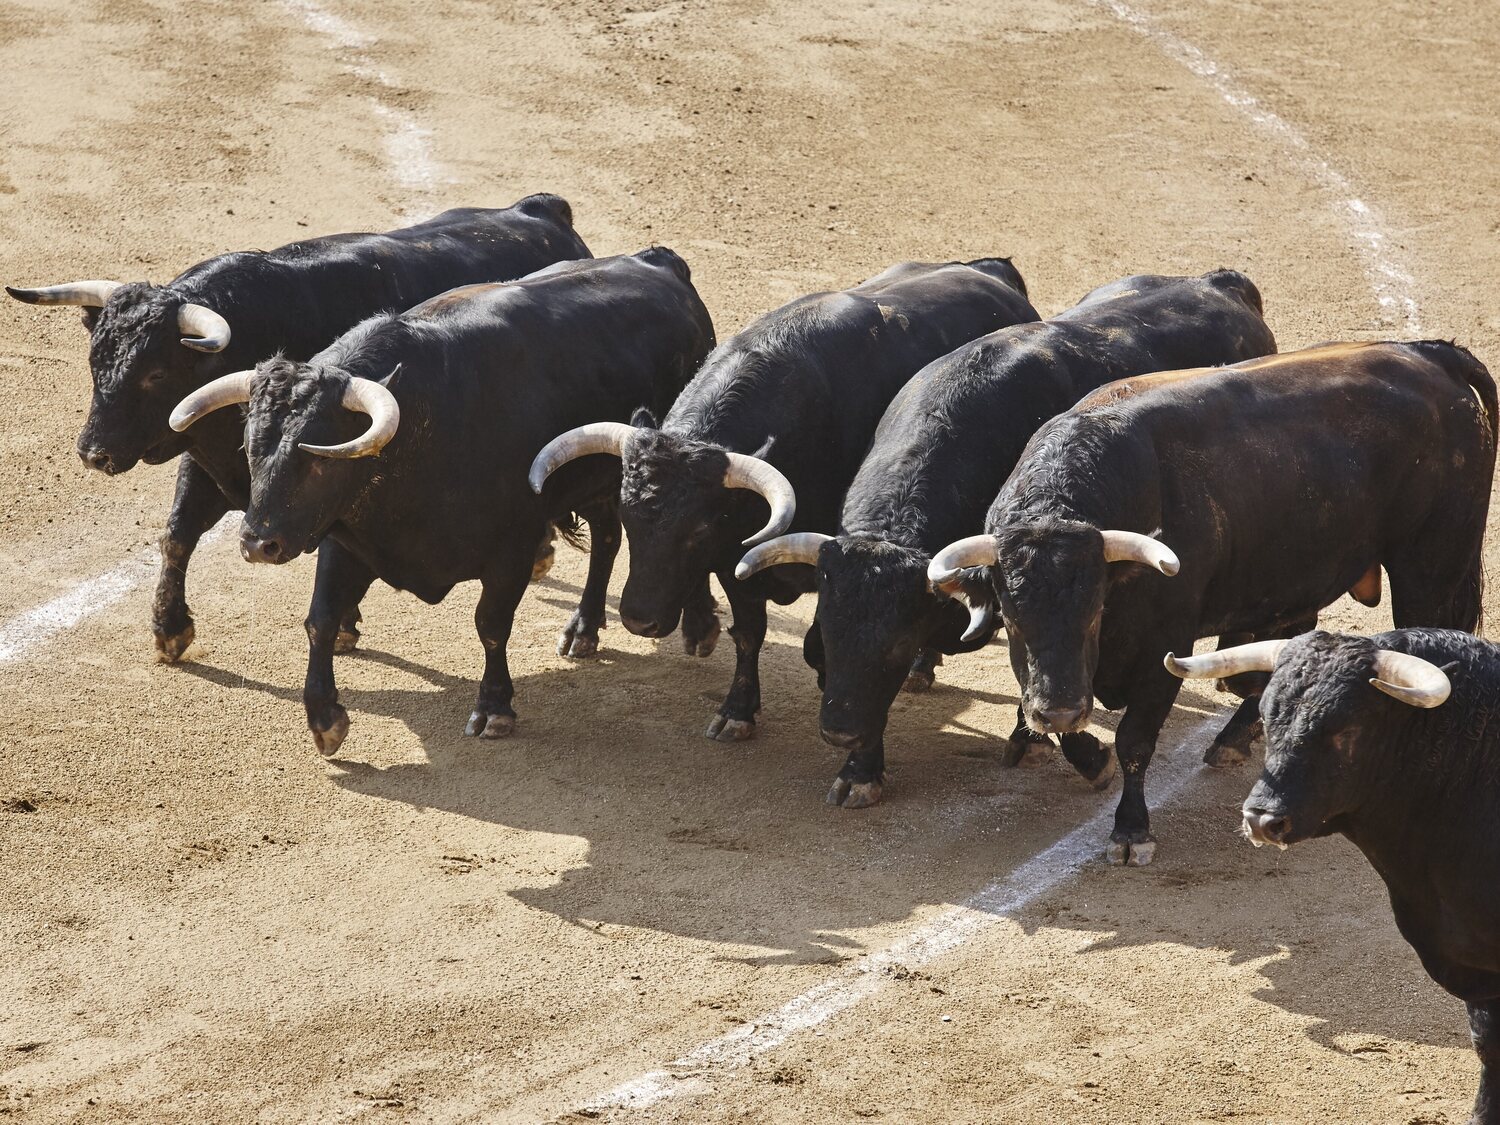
(200, 920)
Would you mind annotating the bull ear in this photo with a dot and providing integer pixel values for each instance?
(90, 318)
(390, 380)
(643, 419)
(765, 450)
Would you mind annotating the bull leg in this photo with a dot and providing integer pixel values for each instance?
(1231, 746)
(580, 637)
(1024, 746)
(1151, 700)
(342, 580)
(197, 505)
(700, 621)
(1484, 1029)
(812, 653)
(923, 671)
(861, 781)
(504, 585)
(1093, 760)
(735, 721)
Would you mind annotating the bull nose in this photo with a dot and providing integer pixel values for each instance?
(641, 627)
(1266, 827)
(258, 550)
(1063, 720)
(841, 738)
(98, 460)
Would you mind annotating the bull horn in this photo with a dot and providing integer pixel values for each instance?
(91, 293)
(366, 397)
(596, 437)
(1257, 656)
(799, 547)
(1410, 679)
(976, 550)
(203, 329)
(980, 618)
(226, 390)
(1131, 546)
(764, 478)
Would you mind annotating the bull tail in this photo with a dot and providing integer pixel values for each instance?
(571, 529)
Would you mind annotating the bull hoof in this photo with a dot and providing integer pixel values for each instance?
(854, 794)
(481, 725)
(919, 680)
(1221, 755)
(346, 641)
(721, 728)
(329, 739)
(1025, 752)
(579, 638)
(701, 642)
(171, 646)
(1129, 853)
(1100, 781)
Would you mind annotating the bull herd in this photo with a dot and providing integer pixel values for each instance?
(924, 452)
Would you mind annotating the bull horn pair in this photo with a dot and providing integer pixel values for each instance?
(982, 550)
(364, 396)
(203, 329)
(744, 471)
(1412, 680)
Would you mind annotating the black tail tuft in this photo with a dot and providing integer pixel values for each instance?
(572, 531)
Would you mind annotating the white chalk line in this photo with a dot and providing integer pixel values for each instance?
(408, 146)
(32, 627)
(1037, 876)
(1389, 280)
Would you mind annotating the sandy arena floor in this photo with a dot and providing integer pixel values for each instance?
(200, 920)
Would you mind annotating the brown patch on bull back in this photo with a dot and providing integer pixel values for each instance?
(1139, 384)
(1367, 590)
(1311, 358)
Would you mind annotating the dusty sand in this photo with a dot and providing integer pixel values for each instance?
(202, 921)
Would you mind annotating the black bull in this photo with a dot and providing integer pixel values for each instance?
(1278, 483)
(795, 397)
(944, 448)
(480, 379)
(292, 301)
(1392, 742)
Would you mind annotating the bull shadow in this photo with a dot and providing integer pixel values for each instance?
(732, 843)
(1312, 924)
(728, 843)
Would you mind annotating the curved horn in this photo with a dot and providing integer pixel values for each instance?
(800, 547)
(367, 397)
(226, 390)
(763, 477)
(980, 617)
(1130, 546)
(91, 293)
(203, 329)
(1410, 679)
(976, 550)
(1257, 656)
(596, 437)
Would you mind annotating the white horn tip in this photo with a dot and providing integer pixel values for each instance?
(181, 419)
(1169, 565)
(743, 571)
(1175, 666)
(537, 478)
